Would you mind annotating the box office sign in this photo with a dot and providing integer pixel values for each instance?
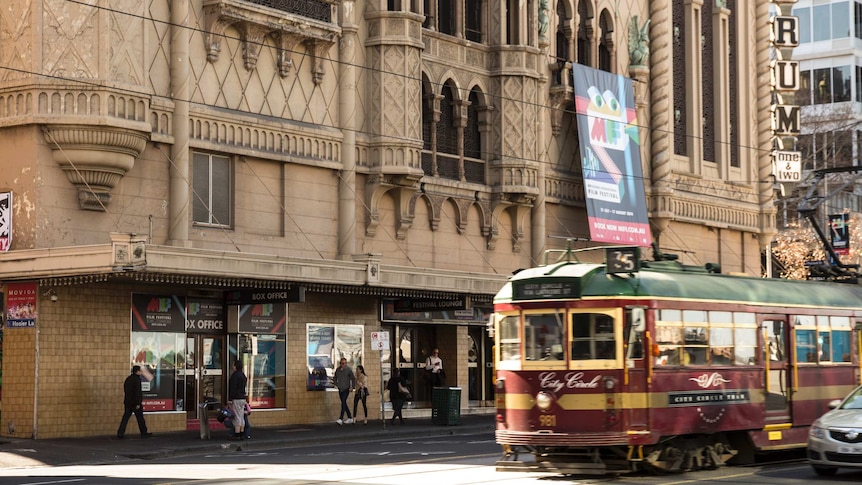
(205, 315)
(263, 318)
(158, 313)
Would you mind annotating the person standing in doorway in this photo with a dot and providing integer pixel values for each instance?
(344, 381)
(133, 401)
(434, 368)
(360, 393)
(236, 394)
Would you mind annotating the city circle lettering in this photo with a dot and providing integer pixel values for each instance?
(572, 380)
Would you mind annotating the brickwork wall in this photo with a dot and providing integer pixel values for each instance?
(323, 406)
(19, 369)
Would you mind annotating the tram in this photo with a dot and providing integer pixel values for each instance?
(656, 365)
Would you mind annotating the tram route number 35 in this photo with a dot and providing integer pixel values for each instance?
(548, 420)
(622, 260)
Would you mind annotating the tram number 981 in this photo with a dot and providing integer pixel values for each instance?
(548, 420)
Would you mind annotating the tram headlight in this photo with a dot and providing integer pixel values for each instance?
(544, 400)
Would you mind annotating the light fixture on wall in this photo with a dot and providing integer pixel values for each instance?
(51, 293)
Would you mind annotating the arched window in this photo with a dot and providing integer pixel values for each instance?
(583, 34)
(474, 164)
(606, 42)
(562, 41)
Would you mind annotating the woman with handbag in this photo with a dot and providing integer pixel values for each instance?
(396, 388)
(361, 393)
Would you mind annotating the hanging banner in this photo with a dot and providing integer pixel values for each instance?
(839, 225)
(610, 157)
(5, 221)
(21, 305)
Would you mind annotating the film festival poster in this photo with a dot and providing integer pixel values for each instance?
(610, 156)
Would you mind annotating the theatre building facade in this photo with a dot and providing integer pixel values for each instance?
(188, 182)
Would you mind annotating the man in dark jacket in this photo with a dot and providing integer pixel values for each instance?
(236, 394)
(133, 401)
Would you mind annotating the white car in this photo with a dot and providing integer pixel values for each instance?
(835, 440)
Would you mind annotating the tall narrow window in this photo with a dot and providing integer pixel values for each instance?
(446, 16)
(733, 59)
(212, 197)
(447, 137)
(512, 25)
(680, 143)
(427, 130)
(605, 43)
(857, 19)
(474, 166)
(583, 35)
(708, 94)
(473, 19)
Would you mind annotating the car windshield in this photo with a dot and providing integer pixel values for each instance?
(854, 400)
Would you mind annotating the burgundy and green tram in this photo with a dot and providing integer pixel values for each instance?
(670, 367)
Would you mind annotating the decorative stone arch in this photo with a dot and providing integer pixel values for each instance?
(518, 213)
(380, 185)
(434, 207)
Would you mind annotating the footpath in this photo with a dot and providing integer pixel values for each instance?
(20, 453)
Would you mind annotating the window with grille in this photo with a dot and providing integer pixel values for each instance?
(212, 198)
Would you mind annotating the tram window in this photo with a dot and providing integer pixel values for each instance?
(824, 343)
(721, 345)
(806, 347)
(543, 336)
(510, 343)
(745, 345)
(634, 330)
(593, 337)
(840, 346)
(776, 340)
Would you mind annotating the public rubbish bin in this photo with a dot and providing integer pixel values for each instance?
(445, 405)
(205, 418)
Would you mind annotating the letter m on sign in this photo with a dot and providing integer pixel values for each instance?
(785, 120)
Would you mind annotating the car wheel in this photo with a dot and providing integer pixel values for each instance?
(825, 471)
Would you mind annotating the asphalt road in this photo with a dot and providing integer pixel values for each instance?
(450, 460)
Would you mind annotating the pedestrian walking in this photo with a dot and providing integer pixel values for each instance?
(396, 386)
(236, 393)
(133, 401)
(344, 381)
(360, 393)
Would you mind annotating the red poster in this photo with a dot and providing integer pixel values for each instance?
(21, 305)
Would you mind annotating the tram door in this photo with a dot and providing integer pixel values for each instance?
(777, 352)
(204, 372)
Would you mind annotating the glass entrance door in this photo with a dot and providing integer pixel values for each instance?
(204, 372)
